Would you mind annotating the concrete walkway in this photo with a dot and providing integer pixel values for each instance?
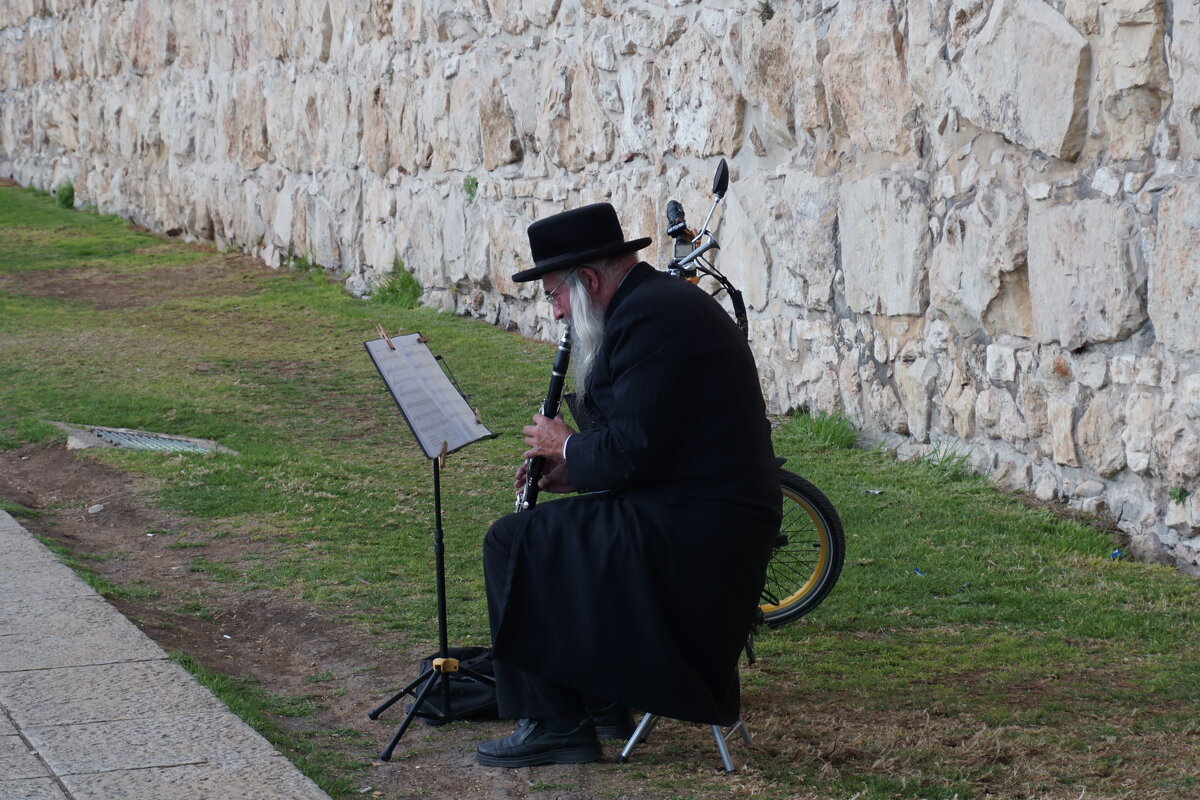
(91, 708)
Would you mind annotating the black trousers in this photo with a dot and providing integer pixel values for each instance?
(520, 694)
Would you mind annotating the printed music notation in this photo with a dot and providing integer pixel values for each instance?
(439, 417)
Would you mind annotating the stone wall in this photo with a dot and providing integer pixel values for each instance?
(971, 225)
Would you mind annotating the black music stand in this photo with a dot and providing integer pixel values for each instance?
(442, 422)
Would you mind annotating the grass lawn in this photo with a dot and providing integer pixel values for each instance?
(974, 647)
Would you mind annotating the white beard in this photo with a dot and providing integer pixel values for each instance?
(587, 334)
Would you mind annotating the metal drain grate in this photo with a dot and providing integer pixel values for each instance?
(148, 441)
(99, 436)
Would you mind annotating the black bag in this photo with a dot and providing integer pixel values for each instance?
(469, 698)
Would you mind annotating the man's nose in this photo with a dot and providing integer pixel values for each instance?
(559, 313)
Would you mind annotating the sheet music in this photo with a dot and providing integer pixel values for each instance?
(434, 409)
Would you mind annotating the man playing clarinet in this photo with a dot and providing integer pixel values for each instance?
(638, 590)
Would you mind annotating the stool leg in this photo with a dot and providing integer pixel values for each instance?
(645, 725)
(740, 726)
(726, 758)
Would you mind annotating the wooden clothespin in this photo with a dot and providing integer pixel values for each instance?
(385, 337)
(442, 456)
(478, 418)
(423, 339)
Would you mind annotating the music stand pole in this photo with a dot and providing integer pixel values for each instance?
(442, 667)
(439, 560)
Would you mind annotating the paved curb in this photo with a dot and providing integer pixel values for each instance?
(92, 709)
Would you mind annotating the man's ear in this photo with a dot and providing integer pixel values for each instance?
(591, 280)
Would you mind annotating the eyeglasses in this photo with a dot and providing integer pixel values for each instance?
(550, 294)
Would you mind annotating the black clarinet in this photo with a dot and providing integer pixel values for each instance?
(527, 499)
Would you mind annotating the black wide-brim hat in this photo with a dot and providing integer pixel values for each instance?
(574, 237)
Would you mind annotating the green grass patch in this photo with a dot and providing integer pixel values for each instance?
(401, 289)
(19, 511)
(973, 646)
(64, 196)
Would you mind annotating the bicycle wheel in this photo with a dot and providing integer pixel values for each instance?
(808, 553)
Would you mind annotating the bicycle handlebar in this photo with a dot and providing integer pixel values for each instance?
(688, 265)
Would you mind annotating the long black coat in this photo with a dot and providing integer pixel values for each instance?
(644, 592)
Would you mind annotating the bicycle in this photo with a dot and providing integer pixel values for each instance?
(811, 546)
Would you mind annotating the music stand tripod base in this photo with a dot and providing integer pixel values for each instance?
(442, 667)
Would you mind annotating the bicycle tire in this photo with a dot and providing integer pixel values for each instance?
(808, 555)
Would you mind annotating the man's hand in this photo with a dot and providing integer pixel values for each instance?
(546, 437)
(555, 477)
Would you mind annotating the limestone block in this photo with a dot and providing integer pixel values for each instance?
(153, 36)
(313, 114)
(800, 230)
(1133, 38)
(462, 140)
(1084, 15)
(379, 212)
(1141, 410)
(1178, 450)
(978, 274)
(1091, 369)
(926, 63)
(959, 404)
(997, 414)
(408, 150)
(1081, 277)
(1046, 487)
(15, 13)
(1149, 371)
(768, 73)
(1101, 449)
(501, 144)
(1189, 396)
(61, 128)
(744, 256)
(703, 110)
(1173, 285)
(884, 230)
(865, 78)
(1001, 364)
(938, 338)
(571, 127)
(1061, 411)
(513, 16)
(1032, 400)
(245, 123)
(1012, 474)
(1024, 76)
(1124, 368)
(1106, 181)
(782, 74)
(882, 409)
(1183, 54)
(1088, 488)
(915, 380)
(374, 115)
(639, 86)
(1132, 32)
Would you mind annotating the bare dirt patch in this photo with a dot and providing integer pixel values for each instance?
(104, 289)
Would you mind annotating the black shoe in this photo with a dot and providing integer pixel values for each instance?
(532, 744)
(613, 721)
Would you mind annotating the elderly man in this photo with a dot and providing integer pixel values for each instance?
(639, 591)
